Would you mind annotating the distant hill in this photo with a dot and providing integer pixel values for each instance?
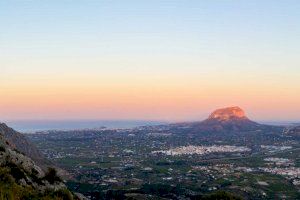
(228, 120)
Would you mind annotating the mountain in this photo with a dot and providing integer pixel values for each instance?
(228, 120)
(19, 142)
(20, 176)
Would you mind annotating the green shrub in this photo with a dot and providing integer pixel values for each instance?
(64, 194)
(2, 149)
(221, 195)
(11, 190)
(19, 152)
(16, 171)
(51, 176)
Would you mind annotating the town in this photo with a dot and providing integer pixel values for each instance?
(134, 161)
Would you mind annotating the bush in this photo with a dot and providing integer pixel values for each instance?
(2, 149)
(16, 171)
(221, 195)
(115, 194)
(51, 176)
(63, 194)
(11, 190)
(157, 189)
(19, 152)
(5, 176)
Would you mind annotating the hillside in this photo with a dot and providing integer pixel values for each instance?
(19, 142)
(20, 176)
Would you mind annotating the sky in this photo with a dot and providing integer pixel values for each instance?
(172, 60)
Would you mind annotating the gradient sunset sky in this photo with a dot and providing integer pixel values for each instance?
(149, 60)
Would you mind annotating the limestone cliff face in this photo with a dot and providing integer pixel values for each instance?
(228, 114)
(18, 141)
(23, 169)
(20, 176)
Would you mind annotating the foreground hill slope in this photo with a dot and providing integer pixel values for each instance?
(20, 176)
(18, 141)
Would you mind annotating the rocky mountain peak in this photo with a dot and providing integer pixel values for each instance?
(228, 113)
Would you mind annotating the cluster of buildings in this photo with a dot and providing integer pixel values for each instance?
(279, 161)
(201, 150)
(290, 172)
(274, 148)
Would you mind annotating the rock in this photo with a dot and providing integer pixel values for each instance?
(228, 113)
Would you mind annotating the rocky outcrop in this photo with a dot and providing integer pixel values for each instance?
(229, 113)
(23, 178)
(18, 141)
(24, 170)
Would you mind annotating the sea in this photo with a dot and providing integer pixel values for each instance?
(32, 126)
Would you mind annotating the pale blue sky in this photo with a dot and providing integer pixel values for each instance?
(153, 27)
(254, 42)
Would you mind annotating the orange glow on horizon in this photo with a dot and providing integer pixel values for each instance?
(153, 98)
